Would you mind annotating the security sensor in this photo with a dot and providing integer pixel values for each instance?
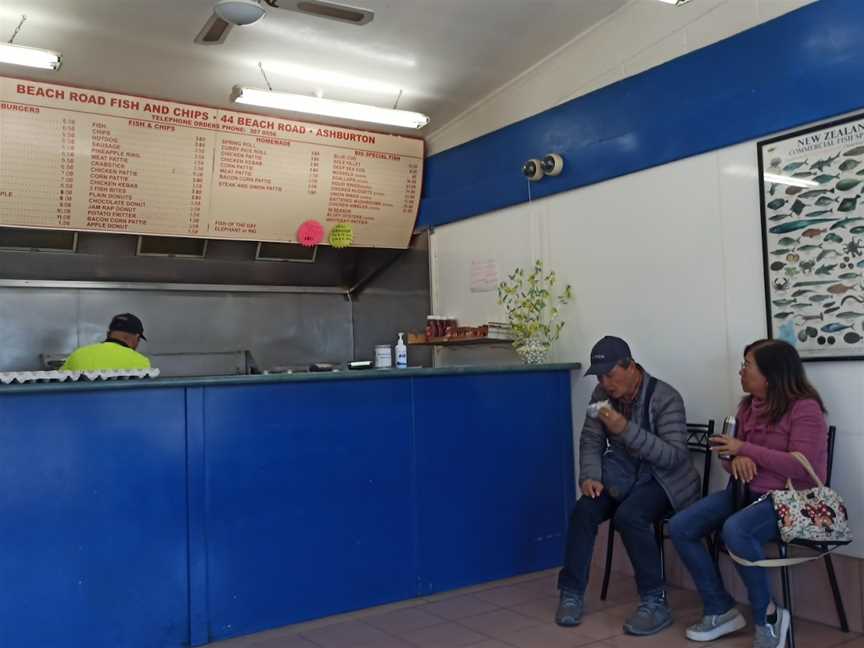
(552, 164)
(532, 169)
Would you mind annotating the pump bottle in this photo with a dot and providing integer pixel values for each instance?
(401, 353)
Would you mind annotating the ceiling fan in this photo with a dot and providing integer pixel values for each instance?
(228, 13)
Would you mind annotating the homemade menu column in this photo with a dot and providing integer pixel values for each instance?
(95, 161)
(277, 174)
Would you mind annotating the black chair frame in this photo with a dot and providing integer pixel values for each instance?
(697, 441)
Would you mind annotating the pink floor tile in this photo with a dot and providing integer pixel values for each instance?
(459, 607)
(401, 621)
(500, 623)
(508, 596)
(445, 635)
(552, 636)
(347, 634)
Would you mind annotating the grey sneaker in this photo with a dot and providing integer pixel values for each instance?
(714, 626)
(652, 616)
(773, 635)
(570, 609)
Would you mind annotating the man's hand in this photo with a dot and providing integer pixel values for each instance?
(592, 488)
(744, 469)
(615, 423)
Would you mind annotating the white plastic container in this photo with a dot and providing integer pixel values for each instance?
(401, 353)
(383, 356)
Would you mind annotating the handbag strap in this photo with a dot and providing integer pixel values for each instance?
(777, 562)
(808, 467)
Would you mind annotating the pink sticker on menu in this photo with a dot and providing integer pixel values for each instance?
(310, 233)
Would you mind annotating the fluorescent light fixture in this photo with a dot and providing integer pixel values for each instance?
(239, 12)
(677, 3)
(328, 107)
(788, 180)
(318, 76)
(29, 56)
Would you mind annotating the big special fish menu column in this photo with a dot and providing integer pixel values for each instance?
(94, 161)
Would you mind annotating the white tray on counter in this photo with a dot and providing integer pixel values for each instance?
(21, 377)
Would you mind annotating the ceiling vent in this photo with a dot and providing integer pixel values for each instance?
(38, 240)
(321, 9)
(172, 246)
(286, 252)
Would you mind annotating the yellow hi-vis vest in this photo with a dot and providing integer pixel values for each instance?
(104, 355)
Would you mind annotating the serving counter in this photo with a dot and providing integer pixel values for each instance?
(180, 511)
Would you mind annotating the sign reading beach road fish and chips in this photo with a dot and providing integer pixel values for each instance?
(812, 202)
(95, 161)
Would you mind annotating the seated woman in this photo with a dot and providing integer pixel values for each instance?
(782, 413)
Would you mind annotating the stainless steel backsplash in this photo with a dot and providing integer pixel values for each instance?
(210, 325)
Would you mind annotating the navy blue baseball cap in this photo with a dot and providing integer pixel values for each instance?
(128, 323)
(607, 353)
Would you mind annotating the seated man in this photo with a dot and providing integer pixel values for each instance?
(118, 351)
(635, 467)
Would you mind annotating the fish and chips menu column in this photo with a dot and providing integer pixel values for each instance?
(95, 161)
(141, 180)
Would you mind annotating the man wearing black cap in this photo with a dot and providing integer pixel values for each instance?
(634, 468)
(118, 351)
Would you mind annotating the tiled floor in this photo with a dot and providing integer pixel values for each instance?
(516, 613)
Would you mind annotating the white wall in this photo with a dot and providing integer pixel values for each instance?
(669, 259)
(642, 35)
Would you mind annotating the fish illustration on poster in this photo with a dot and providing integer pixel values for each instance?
(812, 211)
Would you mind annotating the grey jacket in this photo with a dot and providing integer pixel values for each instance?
(664, 449)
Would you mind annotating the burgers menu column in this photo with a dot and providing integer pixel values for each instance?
(37, 167)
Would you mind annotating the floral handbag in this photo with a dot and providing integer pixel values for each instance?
(815, 517)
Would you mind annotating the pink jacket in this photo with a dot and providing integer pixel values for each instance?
(803, 429)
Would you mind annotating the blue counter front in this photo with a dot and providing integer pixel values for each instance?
(172, 513)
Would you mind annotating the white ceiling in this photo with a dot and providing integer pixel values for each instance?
(444, 54)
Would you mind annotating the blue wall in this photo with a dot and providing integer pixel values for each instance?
(802, 67)
(158, 517)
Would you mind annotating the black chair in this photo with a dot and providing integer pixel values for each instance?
(783, 552)
(697, 442)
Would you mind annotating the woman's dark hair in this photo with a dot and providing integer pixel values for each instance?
(781, 365)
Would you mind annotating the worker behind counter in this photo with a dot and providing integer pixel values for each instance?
(118, 351)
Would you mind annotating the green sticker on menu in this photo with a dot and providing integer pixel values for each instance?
(341, 236)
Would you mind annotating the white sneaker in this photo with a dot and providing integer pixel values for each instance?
(713, 626)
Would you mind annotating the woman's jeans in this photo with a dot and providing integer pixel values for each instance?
(744, 534)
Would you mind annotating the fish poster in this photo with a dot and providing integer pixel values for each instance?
(812, 206)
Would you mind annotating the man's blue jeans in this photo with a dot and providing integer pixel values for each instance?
(744, 534)
(644, 505)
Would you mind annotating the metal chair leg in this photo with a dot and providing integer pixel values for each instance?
(607, 570)
(787, 593)
(838, 598)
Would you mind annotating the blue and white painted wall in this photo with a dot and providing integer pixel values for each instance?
(655, 221)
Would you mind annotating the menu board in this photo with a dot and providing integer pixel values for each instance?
(96, 161)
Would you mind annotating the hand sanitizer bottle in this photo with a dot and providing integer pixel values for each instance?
(401, 353)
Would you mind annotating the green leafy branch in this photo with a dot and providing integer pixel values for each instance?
(531, 304)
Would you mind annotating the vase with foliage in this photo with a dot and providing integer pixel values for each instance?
(532, 302)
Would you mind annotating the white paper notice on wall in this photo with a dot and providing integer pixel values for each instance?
(484, 275)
